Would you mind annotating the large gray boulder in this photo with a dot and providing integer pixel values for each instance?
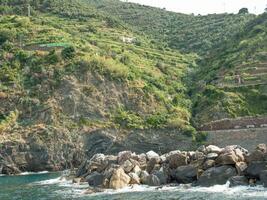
(186, 174)
(152, 180)
(177, 159)
(263, 177)
(216, 176)
(162, 176)
(259, 154)
(238, 181)
(152, 154)
(95, 179)
(254, 169)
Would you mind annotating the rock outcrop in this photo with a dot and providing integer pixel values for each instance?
(206, 167)
(41, 148)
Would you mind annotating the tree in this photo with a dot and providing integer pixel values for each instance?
(243, 11)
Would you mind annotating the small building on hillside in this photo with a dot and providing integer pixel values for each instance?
(128, 40)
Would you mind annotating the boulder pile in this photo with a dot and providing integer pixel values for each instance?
(207, 166)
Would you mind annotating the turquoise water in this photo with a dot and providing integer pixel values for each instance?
(49, 186)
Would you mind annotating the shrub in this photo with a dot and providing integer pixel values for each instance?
(189, 131)
(68, 53)
(201, 137)
(128, 119)
(125, 59)
(9, 120)
(52, 57)
(6, 35)
(156, 120)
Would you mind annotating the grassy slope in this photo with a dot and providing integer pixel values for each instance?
(107, 83)
(246, 58)
(112, 84)
(188, 33)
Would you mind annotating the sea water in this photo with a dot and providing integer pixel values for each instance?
(50, 186)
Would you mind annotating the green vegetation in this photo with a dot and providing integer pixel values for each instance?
(187, 33)
(109, 64)
(235, 77)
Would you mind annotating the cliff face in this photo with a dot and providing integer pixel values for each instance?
(39, 148)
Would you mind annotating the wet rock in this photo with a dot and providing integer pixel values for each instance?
(119, 179)
(76, 181)
(186, 174)
(152, 180)
(95, 179)
(162, 176)
(216, 176)
(238, 181)
(263, 177)
(93, 190)
(255, 168)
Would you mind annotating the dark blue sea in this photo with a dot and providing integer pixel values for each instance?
(49, 186)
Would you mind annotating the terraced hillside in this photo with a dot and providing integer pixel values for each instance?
(235, 79)
(66, 77)
(76, 78)
(187, 33)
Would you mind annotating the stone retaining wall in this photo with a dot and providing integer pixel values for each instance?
(239, 123)
(247, 138)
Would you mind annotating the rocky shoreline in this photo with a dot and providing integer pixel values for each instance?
(207, 166)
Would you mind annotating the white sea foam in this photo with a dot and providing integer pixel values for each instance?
(79, 190)
(30, 173)
(238, 191)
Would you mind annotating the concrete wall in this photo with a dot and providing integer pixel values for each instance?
(247, 138)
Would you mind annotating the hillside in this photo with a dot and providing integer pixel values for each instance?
(65, 74)
(233, 81)
(187, 33)
(77, 79)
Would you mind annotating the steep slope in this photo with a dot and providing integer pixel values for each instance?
(68, 77)
(232, 81)
(188, 33)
